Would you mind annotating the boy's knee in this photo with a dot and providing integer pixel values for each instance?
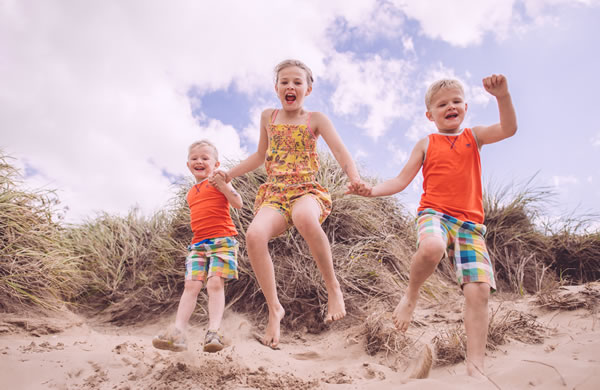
(215, 284)
(193, 286)
(476, 293)
(432, 250)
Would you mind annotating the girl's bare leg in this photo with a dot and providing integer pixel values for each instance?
(305, 215)
(267, 223)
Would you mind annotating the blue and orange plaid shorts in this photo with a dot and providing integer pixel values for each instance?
(465, 244)
(212, 257)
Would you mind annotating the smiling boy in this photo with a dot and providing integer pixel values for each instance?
(212, 256)
(450, 215)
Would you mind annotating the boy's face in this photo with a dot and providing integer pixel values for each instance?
(292, 87)
(447, 109)
(202, 162)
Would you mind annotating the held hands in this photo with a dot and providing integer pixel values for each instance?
(359, 188)
(218, 178)
(496, 85)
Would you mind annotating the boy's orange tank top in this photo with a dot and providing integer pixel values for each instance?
(209, 213)
(452, 176)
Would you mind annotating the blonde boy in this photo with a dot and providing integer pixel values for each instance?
(450, 215)
(212, 256)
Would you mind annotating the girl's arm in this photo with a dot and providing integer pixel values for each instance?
(406, 175)
(323, 126)
(255, 159)
(497, 86)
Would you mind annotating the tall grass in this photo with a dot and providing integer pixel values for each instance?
(130, 268)
(36, 266)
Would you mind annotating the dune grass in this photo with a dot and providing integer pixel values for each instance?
(130, 268)
(36, 267)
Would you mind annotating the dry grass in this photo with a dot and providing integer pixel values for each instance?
(382, 336)
(565, 299)
(520, 252)
(129, 269)
(371, 242)
(505, 325)
(36, 268)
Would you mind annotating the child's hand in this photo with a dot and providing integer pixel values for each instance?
(359, 188)
(219, 173)
(217, 180)
(496, 85)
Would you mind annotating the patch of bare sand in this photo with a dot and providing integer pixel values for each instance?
(72, 353)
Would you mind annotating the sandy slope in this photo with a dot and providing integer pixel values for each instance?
(70, 353)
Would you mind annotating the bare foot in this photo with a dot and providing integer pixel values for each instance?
(475, 370)
(402, 315)
(336, 309)
(272, 333)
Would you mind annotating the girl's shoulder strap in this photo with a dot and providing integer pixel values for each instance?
(308, 125)
(273, 116)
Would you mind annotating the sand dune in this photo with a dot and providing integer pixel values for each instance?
(70, 352)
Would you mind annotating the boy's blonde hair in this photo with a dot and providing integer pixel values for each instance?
(291, 62)
(204, 142)
(437, 85)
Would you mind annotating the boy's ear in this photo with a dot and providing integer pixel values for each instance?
(428, 115)
(217, 164)
(466, 106)
(308, 90)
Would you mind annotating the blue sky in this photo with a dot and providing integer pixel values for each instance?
(99, 100)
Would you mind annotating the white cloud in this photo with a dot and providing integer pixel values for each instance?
(95, 94)
(596, 140)
(375, 91)
(460, 23)
(564, 181)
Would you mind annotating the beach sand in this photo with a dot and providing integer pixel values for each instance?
(66, 351)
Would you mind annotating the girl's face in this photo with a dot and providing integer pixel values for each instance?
(292, 87)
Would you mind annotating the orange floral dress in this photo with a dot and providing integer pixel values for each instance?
(291, 164)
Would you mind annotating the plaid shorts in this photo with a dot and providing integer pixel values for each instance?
(465, 244)
(212, 257)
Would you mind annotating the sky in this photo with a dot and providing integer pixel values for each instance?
(99, 100)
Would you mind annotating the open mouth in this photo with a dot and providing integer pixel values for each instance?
(452, 116)
(290, 98)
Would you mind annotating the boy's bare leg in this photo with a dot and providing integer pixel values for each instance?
(305, 216)
(423, 263)
(267, 223)
(476, 325)
(215, 287)
(187, 304)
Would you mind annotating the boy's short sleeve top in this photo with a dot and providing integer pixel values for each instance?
(452, 176)
(209, 213)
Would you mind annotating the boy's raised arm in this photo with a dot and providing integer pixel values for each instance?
(497, 85)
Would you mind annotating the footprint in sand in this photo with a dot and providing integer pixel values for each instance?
(310, 355)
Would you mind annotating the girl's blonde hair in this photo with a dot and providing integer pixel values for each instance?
(437, 85)
(204, 142)
(290, 62)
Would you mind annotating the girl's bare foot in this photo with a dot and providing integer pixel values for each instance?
(403, 313)
(272, 333)
(336, 309)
